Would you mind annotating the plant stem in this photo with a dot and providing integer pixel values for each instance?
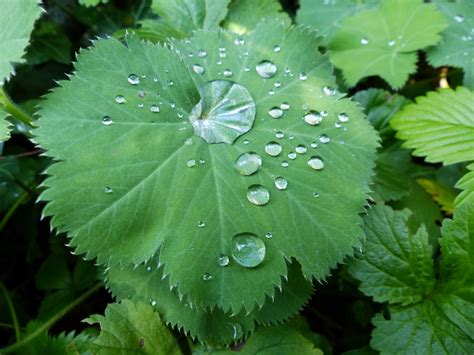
(48, 324)
(14, 110)
(12, 311)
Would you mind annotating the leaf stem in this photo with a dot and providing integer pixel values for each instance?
(16, 326)
(13, 109)
(48, 324)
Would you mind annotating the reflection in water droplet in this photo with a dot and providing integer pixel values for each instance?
(329, 91)
(391, 43)
(364, 41)
(276, 48)
(239, 41)
(155, 108)
(246, 141)
(291, 137)
(189, 141)
(277, 84)
(248, 250)
(337, 124)
(313, 118)
(269, 235)
(201, 53)
(148, 268)
(108, 190)
(201, 224)
(316, 163)
(170, 82)
(303, 76)
(266, 69)
(285, 106)
(223, 260)
(315, 194)
(323, 138)
(314, 145)
(191, 163)
(107, 121)
(198, 69)
(292, 155)
(237, 331)
(284, 164)
(281, 183)
(300, 149)
(207, 276)
(280, 135)
(227, 73)
(323, 113)
(248, 163)
(459, 18)
(120, 99)
(343, 117)
(141, 105)
(273, 148)
(275, 112)
(133, 79)
(153, 303)
(258, 195)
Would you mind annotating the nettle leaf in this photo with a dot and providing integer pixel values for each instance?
(4, 126)
(361, 49)
(439, 126)
(244, 15)
(326, 16)
(132, 328)
(17, 20)
(146, 283)
(136, 177)
(442, 321)
(466, 183)
(456, 49)
(405, 272)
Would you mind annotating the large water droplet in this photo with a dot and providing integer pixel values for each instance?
(266, 69)
(273, 148)
(275, 112)
(107, 121)
(225, 112)
(120, 99)
(313, 118)
(133, 79)
(248, 163)
(316, 163)
(248, 250)
(281, 183)
(258, 195)
(198, 69)
(223, 260)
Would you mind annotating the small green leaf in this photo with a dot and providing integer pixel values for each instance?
(456, 49)
(466, 183)
(132, 328)
(17, 19)
(326, 16)
(383, 41)
(90, 3)
(396, 266)
(439, 126)
(4, 126)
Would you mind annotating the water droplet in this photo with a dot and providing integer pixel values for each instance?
(207, 276)
(364, 41)
(141, 105)
(337, 124)
(189, 141)
(292, 155)
(266, 69)
(108, 190)
(222, 55)
(141, 94)
(248, 250)
(227, 73)
(198, 69)
(246, 141)
(247, 69)
(281, 183)
(314, 145)
(133, 79)
(459, 18)
(120, 99)
(107, 121)
(291, 137)
(237, 331)
(153, 303)
(273, 148)
(201, 224)
(148, 268)
(316, 163)
(269, 235)
(155, 108)
(329, 91)
(155, 79)
(248, 163)
(343, 117)
(202, 161)
(201, 53)
(300, 149)
(323, 138)
(280, 135)
(271, 92)
(285, 106)
(275, 112)
(323, 113)
(191, 163)
(239, 41)
(303, 76)
(223, 260)
(391, 43)
(284, 164)
(276, 48)
(315, 194)
(277, 84)
(258, 195)
(313, 118)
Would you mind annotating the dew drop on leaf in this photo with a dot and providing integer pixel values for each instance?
(258, 195)
(237, 331)
(201, 53)
(269, 235)
(133, 79)
(155, 108)
(153, 303)
(273, 148)
(191, 163)
(108, 190)
(315, 194)
(314, 145)
(281, 183)
(201, 224)
(323, 138)
(300, 149)
(329, 91)
(459, 18)
(276, 48)
(120, 99)
(343, 117)
(280, 135)
(107, 121)
(223, 260)
(207, 276)
(364, 41)
(316, 163)
(303, 76)
(313, 118)
(285, 106)
(266, 69)
(148, 268)
(227, 73)
(292, 155)
(275, 112)
(248, 163)
(198, 69)
(248, 250)
(170, 82)
(391, 43)
(284, 164)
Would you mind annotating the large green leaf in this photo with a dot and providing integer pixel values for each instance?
(457, 47)
(439, 126)
(383, 41)
(326, 15)
(17, 19)
(466, 183)
(132, 328)
(146, 283)
(133, 181)
(442, 320)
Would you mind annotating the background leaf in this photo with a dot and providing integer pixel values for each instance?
(467, 184)
(4, 126)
